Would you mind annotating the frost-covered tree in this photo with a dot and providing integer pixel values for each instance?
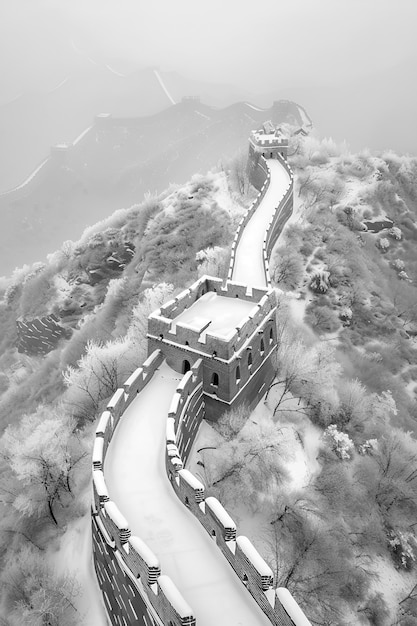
(41, 452)
(395, 233)
(339, 442)
(213, 261)
(35, 594)
(383, 244)
(287, 268)
(250, 463)
(98, 375)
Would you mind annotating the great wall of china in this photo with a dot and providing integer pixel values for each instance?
(164, 553)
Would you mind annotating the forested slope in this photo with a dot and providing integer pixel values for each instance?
(101, 290)
(327, 466)
(322, 476)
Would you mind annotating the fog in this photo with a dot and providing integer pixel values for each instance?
(350, 63)
(254, 45)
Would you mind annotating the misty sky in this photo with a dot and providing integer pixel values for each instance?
(243, 42)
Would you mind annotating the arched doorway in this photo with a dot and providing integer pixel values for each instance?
(186, 366)
(215, 379)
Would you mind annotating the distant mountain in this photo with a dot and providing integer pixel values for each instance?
(60, 108)
(115, 163)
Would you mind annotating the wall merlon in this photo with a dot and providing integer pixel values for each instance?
(153, 361)
(135, 382)
(285, 599)
(100, 487)
(117, 523)
(218, 513)
(98, 452)
(246, 547)
(180, 610)
(191, 486)
(116, 404)
(103, 424)
(185, 384)
(175, 404)
(142, 561)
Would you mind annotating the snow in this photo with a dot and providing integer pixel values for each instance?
(292, 607)
(254, 557)
(137, 482)
(113, 71)
(191, 480)
(390, 582)
(251, 106)
(144, 551)
(100, 483)
(220, 512)
(74, 557)
(61, 84)
(249, 267)
(160, 81)
(28, 179)
(113, 512)
(81, 135)
(174, 597)
(220, 313)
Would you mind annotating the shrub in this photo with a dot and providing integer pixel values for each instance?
(403, 548)
(383, 244)
(322, 319)
(339, 442)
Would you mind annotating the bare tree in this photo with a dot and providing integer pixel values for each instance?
(41, 452)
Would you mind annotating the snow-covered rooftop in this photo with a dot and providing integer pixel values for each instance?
(215, 314)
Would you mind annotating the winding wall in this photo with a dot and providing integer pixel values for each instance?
(156, 410)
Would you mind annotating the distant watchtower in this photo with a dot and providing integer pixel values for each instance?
(268, 142)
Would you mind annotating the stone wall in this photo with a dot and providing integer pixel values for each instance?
(128, 572)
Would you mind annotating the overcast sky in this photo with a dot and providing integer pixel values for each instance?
(243, 42)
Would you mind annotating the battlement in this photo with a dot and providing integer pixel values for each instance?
(210, 317)
(268, 140)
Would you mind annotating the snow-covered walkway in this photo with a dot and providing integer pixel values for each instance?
(249, 268)
(137, 482)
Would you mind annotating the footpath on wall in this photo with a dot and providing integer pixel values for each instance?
(249, 260)
(136, 480)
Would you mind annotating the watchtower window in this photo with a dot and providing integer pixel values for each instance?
(250, 360)
(215, 380)
(186, 366)
(271, 336)
(262, 347)
(238, 374)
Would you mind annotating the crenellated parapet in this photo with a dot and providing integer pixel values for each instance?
(230, 327)
(137, 582)
(115, 549)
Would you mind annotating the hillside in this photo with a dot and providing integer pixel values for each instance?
(99, 290)
(330, 458)
(336, 516)
(116, 163)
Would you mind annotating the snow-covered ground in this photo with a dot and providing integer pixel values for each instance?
(249, 267)
(137, 482)
(74, 558)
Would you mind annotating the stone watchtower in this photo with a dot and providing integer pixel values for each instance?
(231, 328)
(269, 142)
